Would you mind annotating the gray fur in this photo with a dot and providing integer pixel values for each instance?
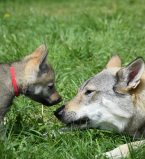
(104, 99)
(102, 85)
(33, 77)
(112, 99)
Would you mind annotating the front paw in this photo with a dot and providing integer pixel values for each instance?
(118, 153)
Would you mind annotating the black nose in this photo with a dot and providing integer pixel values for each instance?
(59, 112)
(59, 100)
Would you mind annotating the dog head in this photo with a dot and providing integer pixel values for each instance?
(103, 101)
(39, 78)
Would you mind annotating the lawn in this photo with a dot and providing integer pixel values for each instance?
(81, 36)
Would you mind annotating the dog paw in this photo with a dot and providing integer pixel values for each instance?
(108, 155)
(118, 153)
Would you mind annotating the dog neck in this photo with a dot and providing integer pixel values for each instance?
(19, 74)
(14, 81)
(137, 125)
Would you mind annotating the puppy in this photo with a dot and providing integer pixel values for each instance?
(33, 76)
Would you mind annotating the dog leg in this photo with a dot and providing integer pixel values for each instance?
(123, 150)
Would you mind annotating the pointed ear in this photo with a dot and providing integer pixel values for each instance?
(35, 66)
(42, 60)
(41, 49)
(115, 61)
(129, 77)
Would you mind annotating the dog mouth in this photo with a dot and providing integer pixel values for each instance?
(79, 123)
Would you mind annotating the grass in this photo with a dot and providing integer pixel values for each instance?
(81, 36)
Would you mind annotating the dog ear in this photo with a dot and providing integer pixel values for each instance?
(129, 77)
(35, 66)
(115, 61)
(42, 60)
(40, 49)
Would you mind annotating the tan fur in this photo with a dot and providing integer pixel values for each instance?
(75, 103)
(37, 52)
(54, 96)
(114, 62)
(138, 94)
(124, 90)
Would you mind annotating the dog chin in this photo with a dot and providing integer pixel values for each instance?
(79, 124)
(46, 102)
(77, 127)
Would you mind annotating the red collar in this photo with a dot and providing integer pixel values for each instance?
(14, 81)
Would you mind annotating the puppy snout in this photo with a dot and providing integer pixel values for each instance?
(54, 102)
(59, 112)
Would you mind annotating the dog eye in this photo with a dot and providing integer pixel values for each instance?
(50, 85)
(89, 92)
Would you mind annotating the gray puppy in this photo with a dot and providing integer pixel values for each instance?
(33, 76)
